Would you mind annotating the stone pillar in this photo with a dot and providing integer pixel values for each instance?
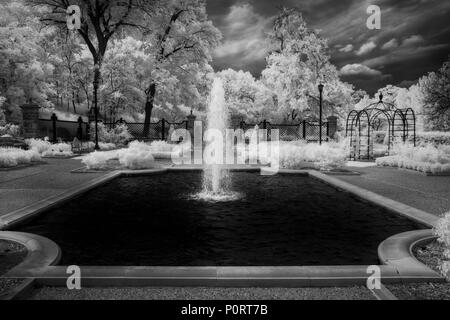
(191, 120)
(30, 123)
(190, 125)
(236, 121)
(332, 126)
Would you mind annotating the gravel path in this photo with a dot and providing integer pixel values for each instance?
(354, 293)
(431, 194)
(11, 254)
(430, 255)
(20, 188)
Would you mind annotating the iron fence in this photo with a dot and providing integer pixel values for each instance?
(63, 130)
(68, 130)
(160, 130)
(304, 130)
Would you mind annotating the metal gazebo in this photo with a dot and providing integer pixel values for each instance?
(361, 126)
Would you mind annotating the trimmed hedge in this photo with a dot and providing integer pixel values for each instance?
(435, 138)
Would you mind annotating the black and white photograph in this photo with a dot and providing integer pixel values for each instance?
(225, 157)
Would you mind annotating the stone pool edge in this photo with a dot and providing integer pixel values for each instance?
(391, 272)
(41, 253)
(400, 266)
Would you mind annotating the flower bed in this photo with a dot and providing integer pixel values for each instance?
(426, 158)
(119, 135)
(442, 231)
(435, 138)
(137, 156)
(302, 155)
(435, 255)
(13, 157)
(9, 130)
(46, 149)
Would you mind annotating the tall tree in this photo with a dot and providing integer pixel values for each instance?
(298, 63)
(125, 69)
(24, 64)
(101, 20)
(181, 43)
(436, 90)
(246, 96)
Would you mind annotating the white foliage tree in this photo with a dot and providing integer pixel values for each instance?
(24, 65)
(298, 63)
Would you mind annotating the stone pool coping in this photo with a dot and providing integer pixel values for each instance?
(399, 264)
(41, 253)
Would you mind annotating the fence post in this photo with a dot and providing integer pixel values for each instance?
(304, 129)
(236, 121)
(54, 119)
(163, 129)
(332, 126)
(30, 120)
(80, 129)
(121, 120)
(190, 122)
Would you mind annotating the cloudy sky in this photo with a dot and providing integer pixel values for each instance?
(413, 40)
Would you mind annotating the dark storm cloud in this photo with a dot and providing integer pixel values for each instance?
(413, 39)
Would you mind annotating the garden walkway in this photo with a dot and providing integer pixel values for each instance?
(428, 193)
(22, 187)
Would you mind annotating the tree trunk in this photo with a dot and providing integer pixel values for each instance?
(150, 92)
(96, 83)
(73, 102)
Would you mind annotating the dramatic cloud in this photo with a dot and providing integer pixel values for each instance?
(359, 70)
(413, 39)
(245, 36)
(391, 44)
(366, 48)
(347, 48)
(403, 54)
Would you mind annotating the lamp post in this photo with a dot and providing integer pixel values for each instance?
(96, 80)
(321, 86)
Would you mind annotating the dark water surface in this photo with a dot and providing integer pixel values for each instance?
(279, 221)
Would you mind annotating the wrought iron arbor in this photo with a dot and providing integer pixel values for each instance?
(401, 126)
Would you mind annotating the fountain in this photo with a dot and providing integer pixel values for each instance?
(216, 178)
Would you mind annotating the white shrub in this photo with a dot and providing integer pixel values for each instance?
(107, 146)
(98, 160)
(433, 137)
(40, 146)
(424, 158)
(11, 157)
(161, 146)
(119, 135)
(294, 155)
(58, 150)
(299, 154)
(136, 159)
(46, 149)
(9, 130)
(442, 231)
(137, 156)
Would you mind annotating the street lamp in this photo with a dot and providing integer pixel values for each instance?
(96, 80)
(321, 86)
